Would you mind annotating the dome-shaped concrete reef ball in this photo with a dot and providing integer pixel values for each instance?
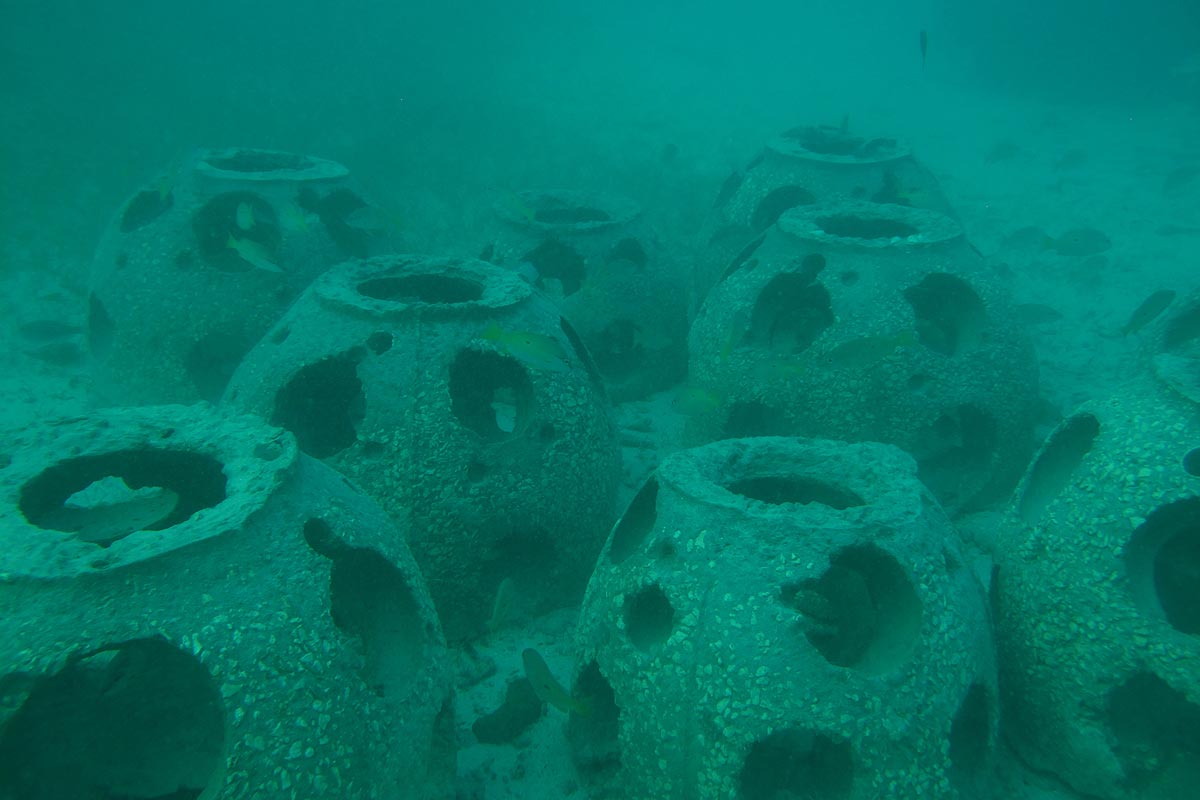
(192, 608)
(1098, 599)
(200, 263)
(458, 397)
(775, 617)
(604, 267)
(809, 165)
(870, 322)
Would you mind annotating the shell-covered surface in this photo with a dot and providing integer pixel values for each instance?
(262, 630)
(777, 615)
(459, 398)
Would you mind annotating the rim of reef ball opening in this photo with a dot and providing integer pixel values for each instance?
(260, 165)
(401, 286)
(832, 145)
(565, 210)
(884, 225)
(63, 458)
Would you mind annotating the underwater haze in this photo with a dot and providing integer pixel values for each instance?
(630, 399)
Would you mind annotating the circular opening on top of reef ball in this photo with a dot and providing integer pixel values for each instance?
(244, 163)
(431, 289)
(102, 499)
(866, 224)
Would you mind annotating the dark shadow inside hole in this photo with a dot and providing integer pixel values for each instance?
(849, 226)
(636, 523)
(954, 451)
(595, 746)
(371, 600)
(950, 316)
(557, 262)
(797, 763)
(777, 201)
(323, 404)
(1052, 471)
(145, 207)
(790, 313)
(863, 611)
(490, 394)
(432, 289)
(1157, 736)
(104, 498)
(135, 719)
(236, 230)
(783, 489)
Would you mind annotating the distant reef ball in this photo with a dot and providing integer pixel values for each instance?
(804, 166)
(195, 608)
(200, 262)
(869, 322)
(603, 265)
(1097, 599)
(460, 398)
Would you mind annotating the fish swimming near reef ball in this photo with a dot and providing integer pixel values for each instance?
(695, 401)
(1148, 311)
(868, 350)
(1079, 242)
(548, 689)
(245, 216)
(535, 350)
(253, 253)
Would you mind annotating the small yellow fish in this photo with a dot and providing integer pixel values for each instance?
(294, 218)
(695, 401)
(245, 216)
(536, 350)
(548, 689)
(868, 350)
(253, 253)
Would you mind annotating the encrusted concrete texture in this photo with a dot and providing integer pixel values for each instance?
(776, 615)
(265, 633)
(460, 399)
(198, 264)
(870, 322)
(1098, 622)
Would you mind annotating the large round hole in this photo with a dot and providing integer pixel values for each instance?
(560, 268)
(950, 316)
(971, 738)
(862, 612)
(259, 161)
(238, 232)
(636, 523)
(371, 599)
(777, 201)
(1156, 737)
(431, 289)
(104, 498)
(1162, 561)
(797, 763)
(781, 489)
(790, 313)
(955, 452)
(323, 404)
(145, 207)
(649, 618)
(594, 737)
(490, 394)
(135, 719)
(850, 226)
(1062, 454)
